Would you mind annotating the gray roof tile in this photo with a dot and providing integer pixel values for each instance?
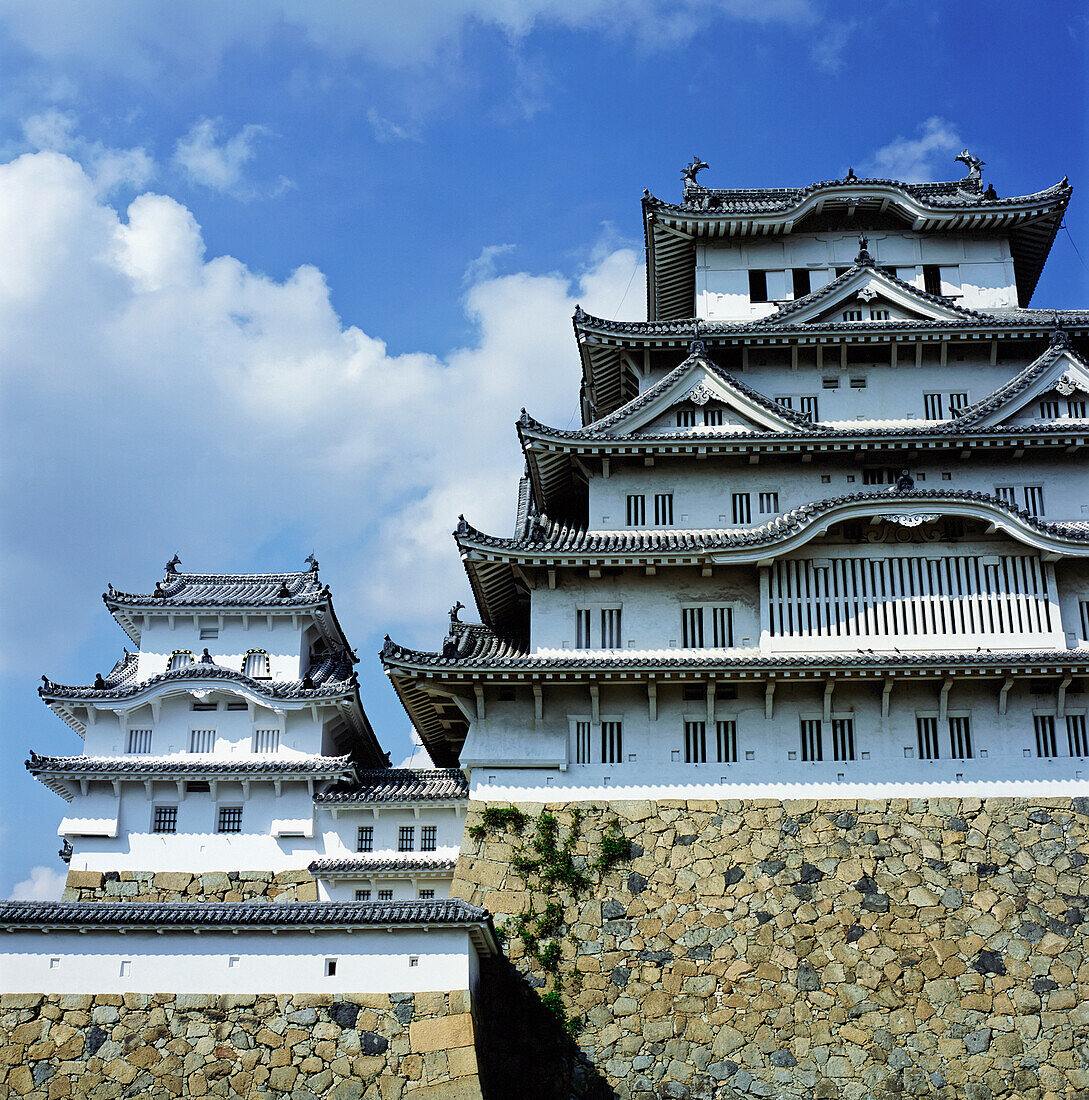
(321, 867)
(402, 785)
(240, 590)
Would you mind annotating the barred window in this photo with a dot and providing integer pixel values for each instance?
(852, 315)
(428, 838)
(364, 838)
(202, 740)
(769, 503)
(1044, 725)
(139, 741)
(879, 475)
(1034, 500)
(879, 314)
(843, 739)
(812, 749)
(1076, 735)
(663, 509)
(808, 407)
(957, 402)
(426, 895)
(637, 510)
(230, 819)
(165, 819)
(722, 624)
(695, 742)
(712, 417)
(582, 629)
(255, 665)
(726, 735)
(1083, 608)
(265, 741)
(1049, 410)
(610, 628)
(180, 658)
(582, 742)
(1076, 409)
(406, 838)
(686, 418)
(960, 738)
(692, 627)
(385, 895)
(612, 743)
(742, 508)
(362, 895)
(932, 406)
(927, 730)
(1007, 494)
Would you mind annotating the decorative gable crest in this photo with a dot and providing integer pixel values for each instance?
(699, 394)
(1070, 382)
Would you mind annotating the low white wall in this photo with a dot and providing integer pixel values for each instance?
(369, 960)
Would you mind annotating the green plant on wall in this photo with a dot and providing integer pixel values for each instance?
(548, 864)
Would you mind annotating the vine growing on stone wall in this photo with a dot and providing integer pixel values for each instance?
(548, 864)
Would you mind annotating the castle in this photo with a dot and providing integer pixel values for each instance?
(762, 773)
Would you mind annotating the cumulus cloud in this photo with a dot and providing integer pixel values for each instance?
(43, 884)
(923, 157)
(157, 399)
(218, 163)
(829, 46)
(110, 168)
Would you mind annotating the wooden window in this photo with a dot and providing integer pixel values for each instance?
(812, 747)
(140, 741)
(237, 704)
(1034, 500)
(830, 382)
(686, 418)
(742, 508)
(266, 740)
(852, 315)
(879, 314)
(1083, 608)
(330, 968)
(695, 742)
(202, 740)
(637, 510)
(858, 382)
(1007, 494)
(1049, 410)
(726, 736)
(927, 729)
(960, 738)
(180, 658)
(612, 743)
(255, 665)
(807, 405)
(582, 742)
(209, 633)
(722, 627)
(610, 628)
(165, 819)
(426, 895)
(362, 895)
(429, 838)
(785, 400)
(1076, 409)
(663, 509)
(1044, 726)
(932, 279)
(230, 819)
(712, 417)
(843, 739)
(769, 503)
(364, 838)
(406, 838)
(880, 475)
(801, 281)
(205, 706)
(582, 629)
(758, 285)
(957, 403)
(692, 627)
(1076, 735)
(385, 895)
(932, 406)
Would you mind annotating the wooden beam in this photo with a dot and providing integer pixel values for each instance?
(1060, 702)
(595, 703)
(769, 697)
(652, 699)
(1004, 694)
(538, 701)
(943, 699)
(711, 704)
(478, 691)
(829, 688)
(886, 691)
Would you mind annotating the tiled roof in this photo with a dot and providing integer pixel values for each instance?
(377, 866)
(241, 590)
(402, 785)
(201, 915)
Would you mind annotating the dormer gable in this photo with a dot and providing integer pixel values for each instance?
(696, 397)
(1052, 389)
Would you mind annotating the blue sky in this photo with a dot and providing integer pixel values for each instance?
(277, 277)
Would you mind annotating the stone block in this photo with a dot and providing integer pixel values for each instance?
(84, 880)
(441, 1033)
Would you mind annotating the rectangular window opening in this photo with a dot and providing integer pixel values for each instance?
(726, 736)
(758, 285)
(812, 746)
(637, 510)
(428, 838)
(1044, 725)
(406, 838)
(663, 509)
(165, 819)
(612, 743)
(230, 819)
(695, 742)
(364, 838)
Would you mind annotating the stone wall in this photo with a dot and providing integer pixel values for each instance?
(218, 886)
(801, 949)
(162, 1046)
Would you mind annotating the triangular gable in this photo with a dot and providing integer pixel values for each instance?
(699, 382)
(864, 287)
(1060, 371)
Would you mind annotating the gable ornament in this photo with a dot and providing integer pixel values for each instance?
(1069, 383)
(912, 519)
(867, 293)
(700, 394)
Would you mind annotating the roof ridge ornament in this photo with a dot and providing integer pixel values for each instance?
(689, 173)
(171, 567)
(864, 259)
(973, 164)
(312, 562)
(1060, 338)
(850, 177)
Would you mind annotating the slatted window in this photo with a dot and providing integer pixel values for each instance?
(406, 838)
(686, 418)
(812, 747)
(1044, 725)
(426, 895)
(742, 507)
(1076, 735)
(139, 741)
(830, 382)
(610, 628)
(879, 314)
(255, 665)
(385, 895)
(960, 738)
(230, 819)
(1083, 607)
(692, 627)
(637, 510)
(1049, 410)
(1007, 494)
(909, 597)
(852, 315)
(612, 743)
(663, 509)
(364, 838)
(932, 279)
(180, 658)
(785, 400)
(695, 742)
(362, 895)
(582, 742)
(202, 740)
(165, 819)
(769, 503)
(1076, 409)
(843, 739)
(429, 838)
(722, 627)
(858, 382)
(582, 629)
(726, 737)
(266, 740)
(880, 475)
(927, 729)
(807, 405)
(712, 417)
(1034, 500)
(932, 406)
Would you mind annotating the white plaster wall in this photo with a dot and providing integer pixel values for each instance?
(979, 270)
(338, 830)
(402, 889)
(369, 960)
(654, 749)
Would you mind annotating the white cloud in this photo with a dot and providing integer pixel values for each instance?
(418, 757)
(919, 158)
(385, 130)
(190, 403)
(56, 131)
(829, 45)
(483, 267)
(217, 164)
(43, 884)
